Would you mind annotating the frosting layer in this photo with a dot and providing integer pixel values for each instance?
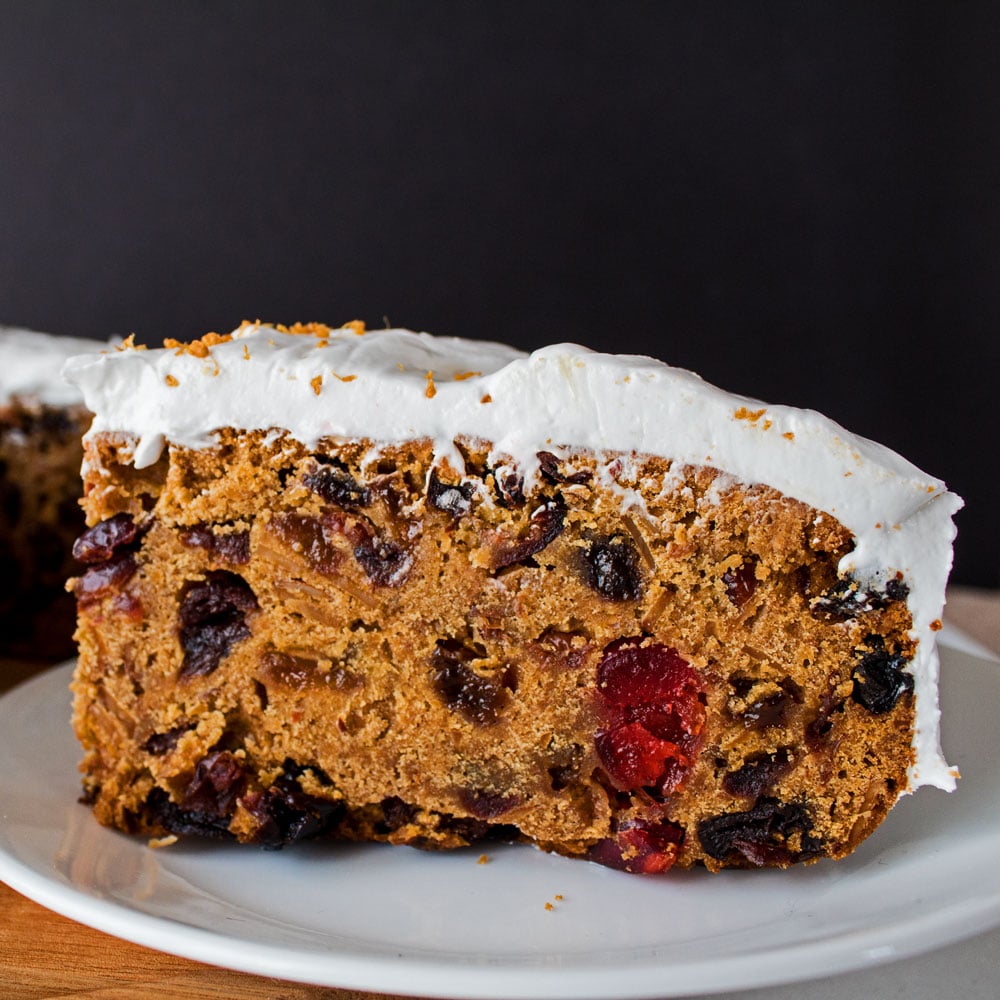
(395, 385)
(30, 365)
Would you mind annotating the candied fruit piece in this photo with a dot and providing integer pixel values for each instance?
(545, 525)
(652, 702)
(160, 811)
(98, 544)
(741, 583)
(336, 485)
(452, 498)
(759, 773)
(230, 547)
(285, 814)
(480, 699)
(217, 782)
(212, 619)
(104, 578)
(761, 835)
(880, 679)
(640, 846)
(486, 804)
(162, 743)
(549, 468)
(612, 569)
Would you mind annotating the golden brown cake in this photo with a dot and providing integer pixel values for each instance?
(385, 586)
(41, 423)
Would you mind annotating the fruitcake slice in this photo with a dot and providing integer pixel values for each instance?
(386, 586)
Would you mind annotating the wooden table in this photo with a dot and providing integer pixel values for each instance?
(43, 955)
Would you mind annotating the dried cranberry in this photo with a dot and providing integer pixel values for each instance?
(452, 498)
(97, 544)
(640, 847)
(230, 547)
(880, 679)
(212, 619)
(760, 834)
(549, 467)
(104, 578)
(612, 569)
(336, 485)
(217, 782)
(758, 774)
(653, 706)
(480, 699)
(741, 582)
(545, 525)
(159, 810)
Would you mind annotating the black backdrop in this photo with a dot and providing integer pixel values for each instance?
(799, 201)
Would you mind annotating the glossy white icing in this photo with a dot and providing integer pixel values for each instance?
(30, 365)
(394, 385)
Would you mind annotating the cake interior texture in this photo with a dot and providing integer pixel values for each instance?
(355, 639)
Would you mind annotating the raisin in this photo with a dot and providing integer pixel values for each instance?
(758, 774)
(452, 498)
(487, 805)
(880, 679)
(741, 583)
(285, 814)
(479, 699)
(545, 525)
(509, 488)
(384, 562)
(159, 810)
(98, 544)
(760, 835)
(300, 672)
(218, 781)
(336, 485)
(549, 467)
(396, 813)
(307, 536)
(212, 619)
(640, 847)
(821, 725)
(103, 578)
(162, 743)
(612, 569)
(229, 547)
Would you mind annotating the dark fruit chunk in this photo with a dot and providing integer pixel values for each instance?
(384, 562)
(229, 547)
(97, 544)
(286, 814)
(307, 536)
(545, 525)
(509, 488)
(640, 847)
(821, 725)
(762, 835)
(161, 811)
(847, 599)
(336, 485)
(161, 743)
(397, 814)
(300, 672)
(741, 583)
(452, 498)
(880, 679)
(612, 569)
(487, 805)
(654, 711)
(480, 699)
(549, 467)
(104, 578)
(217, 782)
(212, 620)
(758, 774)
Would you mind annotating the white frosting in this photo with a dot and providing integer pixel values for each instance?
(395, 385)
(30, 366)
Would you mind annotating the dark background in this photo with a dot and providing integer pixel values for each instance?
(798, 201)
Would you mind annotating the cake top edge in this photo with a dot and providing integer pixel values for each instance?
(31, 363)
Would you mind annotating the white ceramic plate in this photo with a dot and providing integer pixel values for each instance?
(401, 921)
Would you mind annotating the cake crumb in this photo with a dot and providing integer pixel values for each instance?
(157, 842)
(752, 415)
(171, 380)
(431, 390)
(484, 859)
(343, 378)
(462, 376)
(317, 384)
(788, 435)
(549, 907)
(486, 399)
(937, 625)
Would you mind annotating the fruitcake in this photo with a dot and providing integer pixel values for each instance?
(385, 586)
(42, 420)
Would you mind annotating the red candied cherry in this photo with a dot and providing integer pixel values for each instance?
(653, 706)
(641, 847)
